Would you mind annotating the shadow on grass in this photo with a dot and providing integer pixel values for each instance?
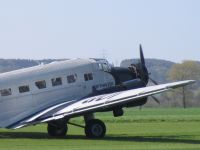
(187, 139)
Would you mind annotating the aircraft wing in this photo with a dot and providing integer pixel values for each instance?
(97, 103)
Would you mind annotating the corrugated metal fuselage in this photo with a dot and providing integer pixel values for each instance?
(18, 106)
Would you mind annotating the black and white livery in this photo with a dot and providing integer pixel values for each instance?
(56, 92)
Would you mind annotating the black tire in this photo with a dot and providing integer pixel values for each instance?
(57, 131)
(95, 129)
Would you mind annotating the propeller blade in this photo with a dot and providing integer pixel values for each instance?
(155, 99)
(153, 81)
(142, 56)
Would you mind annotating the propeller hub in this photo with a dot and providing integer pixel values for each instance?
(140, 68)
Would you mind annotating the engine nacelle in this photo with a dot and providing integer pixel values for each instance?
(133, 84)
(138, 102)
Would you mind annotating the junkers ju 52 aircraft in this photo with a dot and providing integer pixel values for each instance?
(56, 92)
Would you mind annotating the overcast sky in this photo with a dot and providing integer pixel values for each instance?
(37, 29)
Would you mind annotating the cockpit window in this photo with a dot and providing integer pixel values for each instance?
(105, 67)
(100, 67)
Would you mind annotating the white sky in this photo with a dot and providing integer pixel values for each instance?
(37, 29)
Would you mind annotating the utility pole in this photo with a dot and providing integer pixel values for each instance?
(184, 99)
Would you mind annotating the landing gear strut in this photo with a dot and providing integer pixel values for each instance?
(95, 129)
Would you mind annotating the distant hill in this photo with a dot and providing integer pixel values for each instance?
(13, 64)
(157, 67)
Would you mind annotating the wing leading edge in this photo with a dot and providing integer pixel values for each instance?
(97, 103)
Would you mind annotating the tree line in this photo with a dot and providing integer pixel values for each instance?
(188, 96)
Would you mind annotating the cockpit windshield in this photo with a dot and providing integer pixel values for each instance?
(104, 65)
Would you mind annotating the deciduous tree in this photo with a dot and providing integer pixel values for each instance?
(188, 70)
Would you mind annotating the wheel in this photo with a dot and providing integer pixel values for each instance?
(55, 130)
(95, 129)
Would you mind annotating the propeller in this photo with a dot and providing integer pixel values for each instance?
(155, 99)
(142, 60)
(141, 69)
(143, 72)
(153, 81)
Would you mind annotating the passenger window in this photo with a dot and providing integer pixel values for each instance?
(5, 92)
(56, 81)
(23, 89)
(40, 84)
(88, 76)
(71, 78)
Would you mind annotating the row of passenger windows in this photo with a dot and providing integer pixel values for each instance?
(42, 84)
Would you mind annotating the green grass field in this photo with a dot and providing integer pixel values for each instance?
(149, 129)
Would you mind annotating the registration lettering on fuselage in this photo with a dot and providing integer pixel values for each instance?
(104, 85)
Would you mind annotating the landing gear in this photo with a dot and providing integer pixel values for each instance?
(95, 129)
(56, 129)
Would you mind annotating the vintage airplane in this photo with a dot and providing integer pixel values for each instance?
(55, 92)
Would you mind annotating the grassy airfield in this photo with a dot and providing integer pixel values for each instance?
(149, 129)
